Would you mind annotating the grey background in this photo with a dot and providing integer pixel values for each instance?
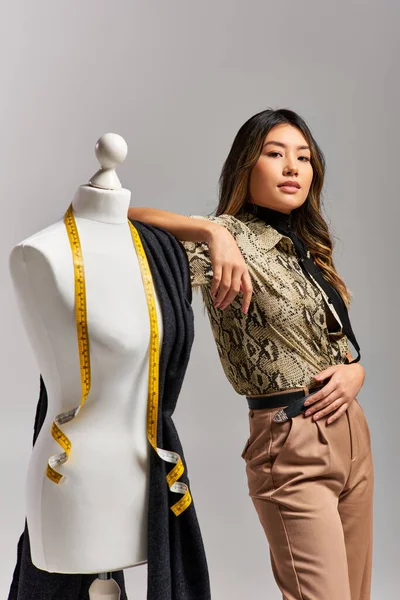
(177, 79)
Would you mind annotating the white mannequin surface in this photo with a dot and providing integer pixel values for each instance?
(96, 520)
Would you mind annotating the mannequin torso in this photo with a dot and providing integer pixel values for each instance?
(96, 521)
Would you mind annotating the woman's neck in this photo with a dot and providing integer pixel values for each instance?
(272, 216)
(105, 206)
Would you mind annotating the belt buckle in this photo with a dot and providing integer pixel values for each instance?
(280, 416)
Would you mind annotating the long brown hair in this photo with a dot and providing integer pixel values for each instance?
(307, 220)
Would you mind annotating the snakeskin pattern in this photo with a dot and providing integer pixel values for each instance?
(284, 339)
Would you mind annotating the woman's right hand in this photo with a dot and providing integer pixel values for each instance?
(230, 271)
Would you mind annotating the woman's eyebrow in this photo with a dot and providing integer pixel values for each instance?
(284, 145)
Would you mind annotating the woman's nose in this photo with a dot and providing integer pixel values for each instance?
(290, 169)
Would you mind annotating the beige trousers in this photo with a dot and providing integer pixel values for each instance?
(312, 487)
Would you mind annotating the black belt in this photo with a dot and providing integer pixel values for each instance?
(294, 402)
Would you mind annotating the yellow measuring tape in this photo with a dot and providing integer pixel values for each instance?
(85, 371)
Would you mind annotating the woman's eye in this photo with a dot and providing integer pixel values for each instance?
(302, 158)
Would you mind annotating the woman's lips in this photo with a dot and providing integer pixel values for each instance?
(289, 189)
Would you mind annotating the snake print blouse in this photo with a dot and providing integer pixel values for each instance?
(291, 331)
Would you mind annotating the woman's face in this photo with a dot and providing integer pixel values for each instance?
(285, 157)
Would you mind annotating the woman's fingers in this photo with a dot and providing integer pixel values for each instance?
(320, 404)
(326, 408)
(233, 289)
(217, 269)
(232, 282)
(335, 407)
(247, 289)
(224, 284)
(338, 407)
(340, 411)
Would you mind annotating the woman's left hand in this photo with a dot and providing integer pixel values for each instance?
(336, 396)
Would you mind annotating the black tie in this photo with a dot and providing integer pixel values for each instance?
(282, 222)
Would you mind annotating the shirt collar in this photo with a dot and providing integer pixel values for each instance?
(268, 235)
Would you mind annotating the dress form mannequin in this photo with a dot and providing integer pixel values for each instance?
(96, 520)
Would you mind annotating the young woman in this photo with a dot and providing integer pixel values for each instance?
(309, 465)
